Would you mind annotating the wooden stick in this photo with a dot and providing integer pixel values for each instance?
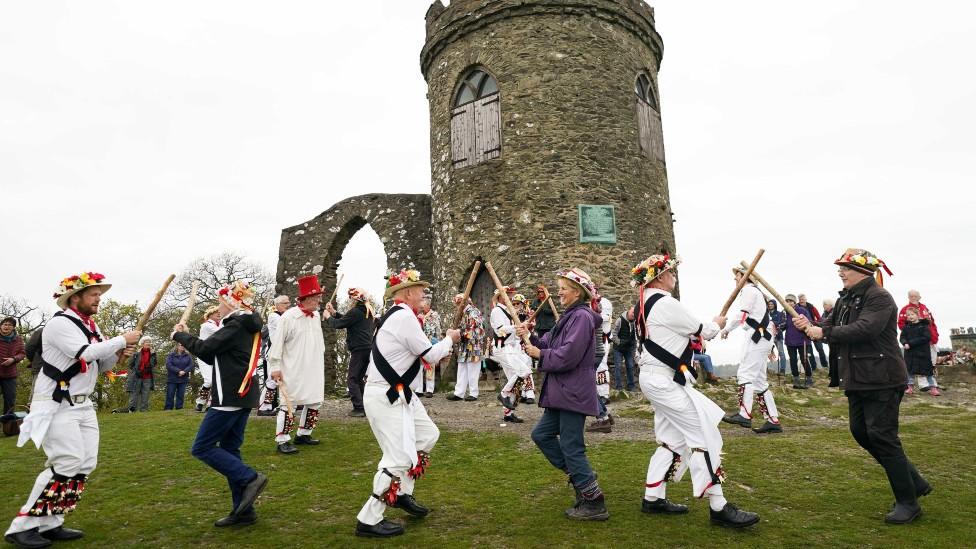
(542, 304)
(552, 305)
(508, 302)
(284, 394)
(742, 283)
(334, 292)
(152, 306)
(189, 306)
(757, 278)
(467, 293)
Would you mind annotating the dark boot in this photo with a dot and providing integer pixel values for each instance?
(922, 486)
(589, 509)
(731, 517)
(663, 506)
(410, 505)
(244, 519)
(28, 538)
(251, 492)
(382, 529)
(62, 534)
(899, 474)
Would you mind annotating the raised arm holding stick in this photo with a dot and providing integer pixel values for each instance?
(190, 303)
(757, 278)
(467, 293)
(742, 282)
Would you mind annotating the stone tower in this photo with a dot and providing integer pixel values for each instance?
(562, 111)
(537, 107)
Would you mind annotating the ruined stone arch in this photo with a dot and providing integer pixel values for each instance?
(402, 222)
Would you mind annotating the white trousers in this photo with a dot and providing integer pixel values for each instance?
(71, 446)
(678, 425)
(753, 381)
(386, 421)
(603, 379)
(206, 372)
(306, 417)
(269, 387)
(515, 365)
(468, 374)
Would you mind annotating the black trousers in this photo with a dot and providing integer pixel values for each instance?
(874, 422)
(793, 351)
(356, 377)
(9, 388)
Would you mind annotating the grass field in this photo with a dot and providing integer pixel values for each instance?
(812, 486)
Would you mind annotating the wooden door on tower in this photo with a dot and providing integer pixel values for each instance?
(481, 294)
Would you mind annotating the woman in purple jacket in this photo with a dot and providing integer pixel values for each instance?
(566, 358)
(796, 342)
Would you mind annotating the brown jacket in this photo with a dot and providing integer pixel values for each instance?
(862, 332)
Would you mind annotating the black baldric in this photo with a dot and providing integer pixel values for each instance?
(660, 353)
(62, 378)
(387, 371)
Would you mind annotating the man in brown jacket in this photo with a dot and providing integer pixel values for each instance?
(863, 338)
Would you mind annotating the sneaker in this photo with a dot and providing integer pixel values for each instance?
(934, 391)
(600, 426)
(589, 510)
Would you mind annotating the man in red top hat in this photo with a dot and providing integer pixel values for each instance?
(296, 362)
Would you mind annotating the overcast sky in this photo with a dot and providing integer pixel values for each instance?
(137, 136)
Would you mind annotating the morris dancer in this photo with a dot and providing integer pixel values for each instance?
(605, 310)
(403, 430)
(470, 351)
(297, 357)
(358, 323)
(510, 356)
(431, 321)
(210, 324)
(234, 351)
(527, 395)
(751, 375)
(566, 357)
(269, 395)
(685, 421)
(62, 419)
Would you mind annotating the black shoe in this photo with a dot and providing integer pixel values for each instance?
(265, 413)
(62, 534)
(429, 395)
(286, 448)
(382, 529)
(453, 397)
(251, 492)
(903, 513)
(470, 398)
(736, 419)
(600, 426)
(246, 519)
(357, 412)
(589, 510)
(410, 505)
(199, 407)
(528, 400)
(512, 418)
(663, 506)
(730, 516)
(28, 538)
(506, 401)
(769, 427)
(307, 440)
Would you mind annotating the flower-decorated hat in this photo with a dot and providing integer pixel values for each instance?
(580, 278)
(402, 280)
(651, 268)
(360, 295)
(518, 298)
(76, 283)
(308, 286)
(237, 294)
(459, 298)
(209, 311)
(862, 261)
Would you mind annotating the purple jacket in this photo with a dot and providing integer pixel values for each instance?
(568, 362)
(175, 363)
(794, 337)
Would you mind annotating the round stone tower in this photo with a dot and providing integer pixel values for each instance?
(539, 111)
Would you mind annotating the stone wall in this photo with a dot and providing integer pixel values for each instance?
(402, 222)
(566, 72)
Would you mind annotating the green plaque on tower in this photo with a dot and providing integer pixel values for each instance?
(597, 224)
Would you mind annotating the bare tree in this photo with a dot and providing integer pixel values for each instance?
(29, 316)
(215, 272)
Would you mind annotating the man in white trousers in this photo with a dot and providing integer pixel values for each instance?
(470, 351)
(270, 393)
(210, 324)
(516, 365)
(397, 416)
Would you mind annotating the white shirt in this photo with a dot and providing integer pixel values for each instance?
(401, 340)
(61, 341)
(670, 325)
(752, 303)
(298, 352)
(503, 326)
(606, 311)
(207, 329)
(273, 320)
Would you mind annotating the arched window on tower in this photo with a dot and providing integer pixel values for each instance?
(649, 118)
(476, 120)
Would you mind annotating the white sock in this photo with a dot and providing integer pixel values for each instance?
(717, 501)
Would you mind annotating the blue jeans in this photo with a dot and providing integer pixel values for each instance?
(620, 358)
(782, 356)
(706, 362)
(218, 444)
(559, 434)
(174, 394)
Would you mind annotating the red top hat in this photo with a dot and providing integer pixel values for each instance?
(308, 286)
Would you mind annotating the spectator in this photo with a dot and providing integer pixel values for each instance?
(815, 315)
(778, 318)
(33, 350)
(915, 338)
(699, 355)
(796, 343)
(915, 299)
(179, 366)
(431, 321)
(545, 319)
(358, 322)
(623, 351)
(11, 353)
(141, 381)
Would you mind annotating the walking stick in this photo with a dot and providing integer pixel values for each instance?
(508, 302)
(742, 283)
(152, 306)
(555, 312)
(542, 304)
(192, 301)
(757, 278)
(284, 394)
(336, 290)
(467, 293)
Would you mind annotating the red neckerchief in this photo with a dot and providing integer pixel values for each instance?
(86, 319)
(415, 313)
(309, 314)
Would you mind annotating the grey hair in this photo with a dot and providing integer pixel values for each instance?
(829, 301)
(282, 299)
(916, 292)
(144, 339)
